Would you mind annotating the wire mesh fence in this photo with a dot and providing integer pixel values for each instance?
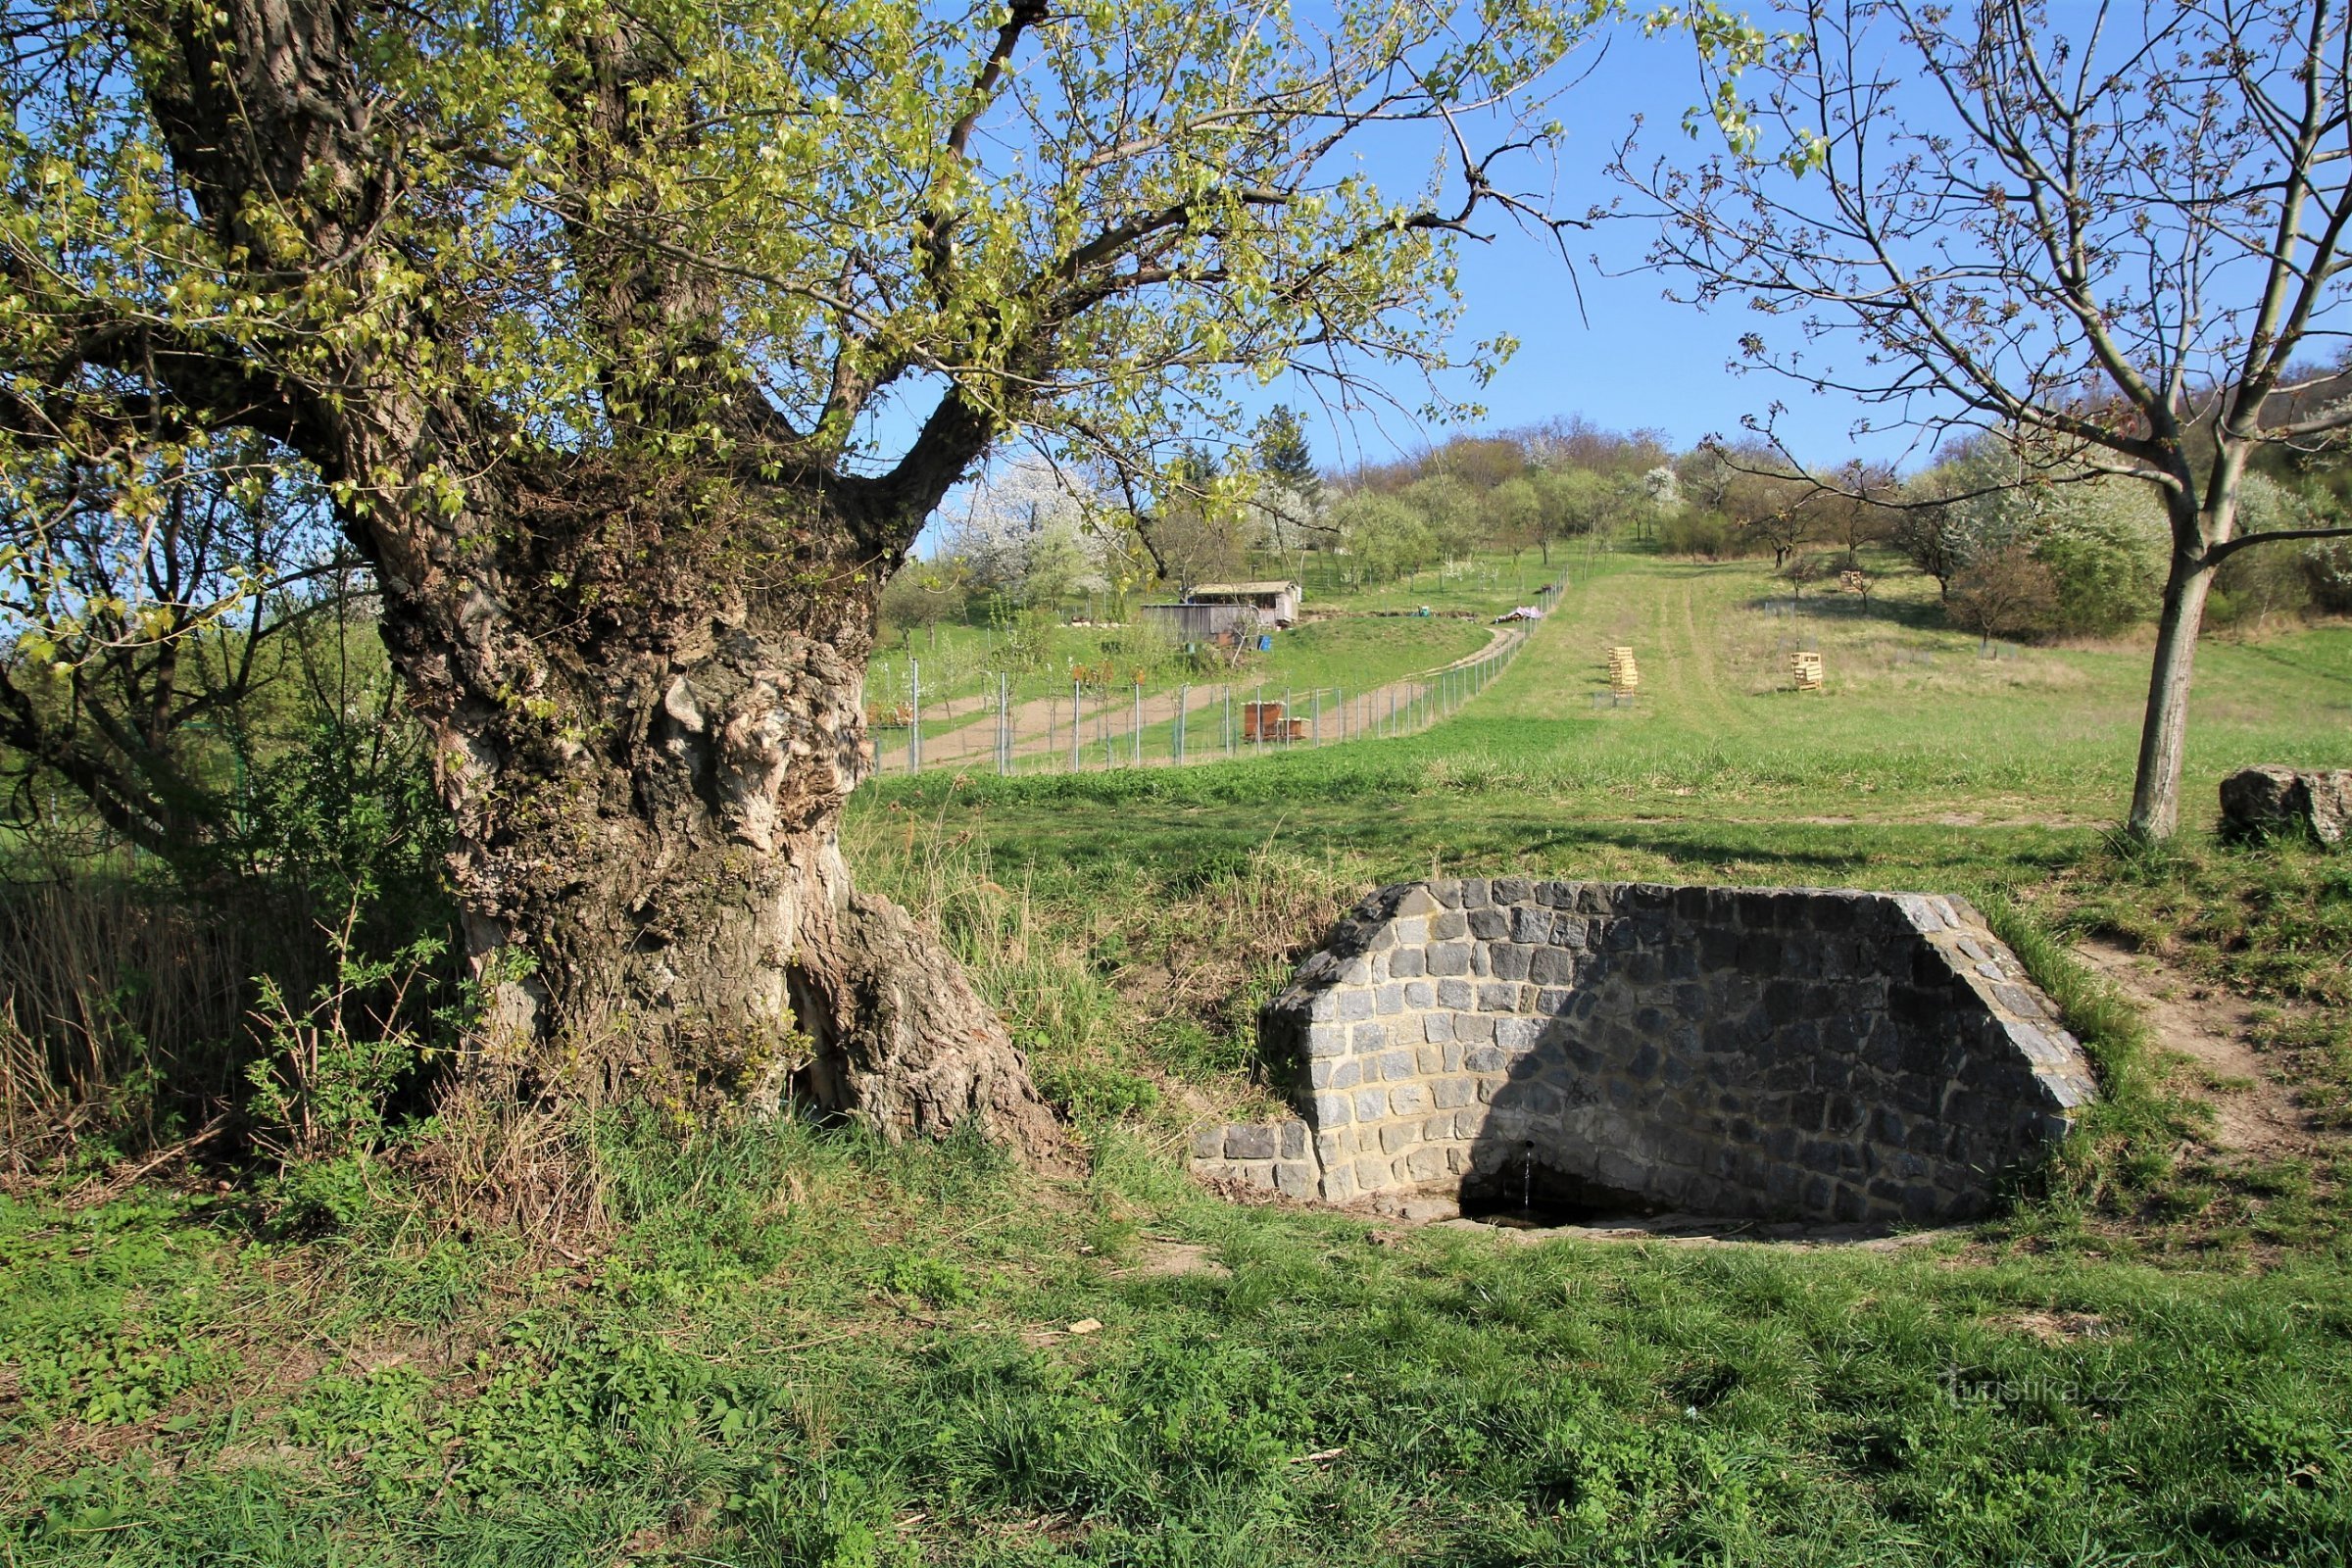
(1095, 725)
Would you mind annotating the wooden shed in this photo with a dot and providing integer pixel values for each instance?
(1214, 608)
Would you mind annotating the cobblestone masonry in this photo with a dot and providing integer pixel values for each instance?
(1785, 1052)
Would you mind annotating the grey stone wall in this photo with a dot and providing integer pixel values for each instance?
(1778, 1052)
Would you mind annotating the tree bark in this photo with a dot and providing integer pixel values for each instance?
(2164, 731)
(649, 712)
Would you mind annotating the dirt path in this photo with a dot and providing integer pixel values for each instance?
(2254, 1115)
(1042, 725)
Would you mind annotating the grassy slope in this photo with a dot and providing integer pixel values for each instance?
(795, 1348)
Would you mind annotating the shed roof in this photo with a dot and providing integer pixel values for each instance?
(1245, 588)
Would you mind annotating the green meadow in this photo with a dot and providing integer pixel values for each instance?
(793, 1345)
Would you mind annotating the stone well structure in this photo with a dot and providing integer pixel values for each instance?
(1778, 1052)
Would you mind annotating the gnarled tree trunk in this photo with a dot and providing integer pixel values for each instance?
(649, 714)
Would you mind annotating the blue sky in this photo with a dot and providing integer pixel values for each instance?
(1630, 359)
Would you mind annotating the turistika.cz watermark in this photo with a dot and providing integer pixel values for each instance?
(1964, 1389)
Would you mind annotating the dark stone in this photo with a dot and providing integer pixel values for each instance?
(1251, 1141)
(2260, 802)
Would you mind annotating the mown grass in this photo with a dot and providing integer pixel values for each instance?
(793, 1345)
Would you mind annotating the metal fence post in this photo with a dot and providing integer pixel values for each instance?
(1074, 726)
(914, 707)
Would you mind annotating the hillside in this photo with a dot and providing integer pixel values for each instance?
(795, 1346)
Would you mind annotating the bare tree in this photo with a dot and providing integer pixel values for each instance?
(2006, 594)
(2109, 238)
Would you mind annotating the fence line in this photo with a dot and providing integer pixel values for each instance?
(1092, 727)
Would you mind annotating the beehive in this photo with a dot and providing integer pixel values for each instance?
(1624, 674)
(1806, 668)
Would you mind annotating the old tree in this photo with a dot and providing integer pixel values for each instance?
(632, 345)
(2114, 235)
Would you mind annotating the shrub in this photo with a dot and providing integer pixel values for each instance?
(2327, 571)
(1692, 531)
(2006, 593)
(2101, 545)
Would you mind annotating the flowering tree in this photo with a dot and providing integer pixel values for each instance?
(631, 346)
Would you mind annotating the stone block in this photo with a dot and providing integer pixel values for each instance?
(1426, 1163)
(1327, 1040)
(1251, 1141)
(1518, 1034)
(1397, 1066)
(1333, 1109)
(1408, 1099)
(1369, 1038)
(1471, 1027)
(1458, 994)
(1371, 1104)
(1355, 1003)
(1429, 1060)
(1373, 1174)
(1397, 1136)
(1335, 1072)
(1293, 1140)
(1448, 958)
(1295, 1178)
(1208, 1142)
(1333, 1148)
(1451, 926)
(1499, 995)
(1407, 963)
(1449, 1093)
(1339, 1185)
(1437, 1027)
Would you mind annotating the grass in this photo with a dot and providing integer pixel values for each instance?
(799, 1348)
(788, 1346)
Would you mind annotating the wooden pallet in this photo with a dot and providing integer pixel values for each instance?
(1624, 674)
